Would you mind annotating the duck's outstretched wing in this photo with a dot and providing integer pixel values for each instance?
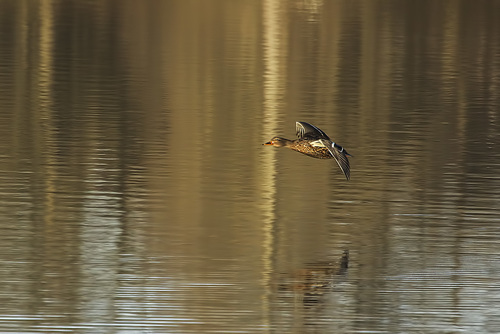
(338, 153)
(308, 131)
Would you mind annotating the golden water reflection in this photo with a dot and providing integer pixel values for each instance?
(136, 194)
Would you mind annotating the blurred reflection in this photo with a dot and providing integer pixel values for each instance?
(315, 280)
(274, 50)
(45, 99)
(309, 290)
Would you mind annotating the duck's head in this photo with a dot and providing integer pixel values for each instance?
(278, 142)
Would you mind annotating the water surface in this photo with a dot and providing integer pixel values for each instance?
(136, 195)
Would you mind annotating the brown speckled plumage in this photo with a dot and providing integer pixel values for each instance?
(304, 147)
(315, 143)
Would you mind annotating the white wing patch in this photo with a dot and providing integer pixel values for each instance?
(318, 143)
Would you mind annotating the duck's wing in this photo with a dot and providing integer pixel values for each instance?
(338, 153)
(308, 131)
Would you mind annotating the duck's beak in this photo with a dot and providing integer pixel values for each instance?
(268, 143)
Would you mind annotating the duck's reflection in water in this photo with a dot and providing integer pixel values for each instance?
(315, 280)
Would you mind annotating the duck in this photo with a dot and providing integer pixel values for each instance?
(312, 141)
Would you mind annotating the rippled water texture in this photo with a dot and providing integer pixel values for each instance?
(136, 195)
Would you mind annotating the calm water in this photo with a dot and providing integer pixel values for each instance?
(136, 197)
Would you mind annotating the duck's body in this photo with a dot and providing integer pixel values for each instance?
(303, 146)
(315, 143)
